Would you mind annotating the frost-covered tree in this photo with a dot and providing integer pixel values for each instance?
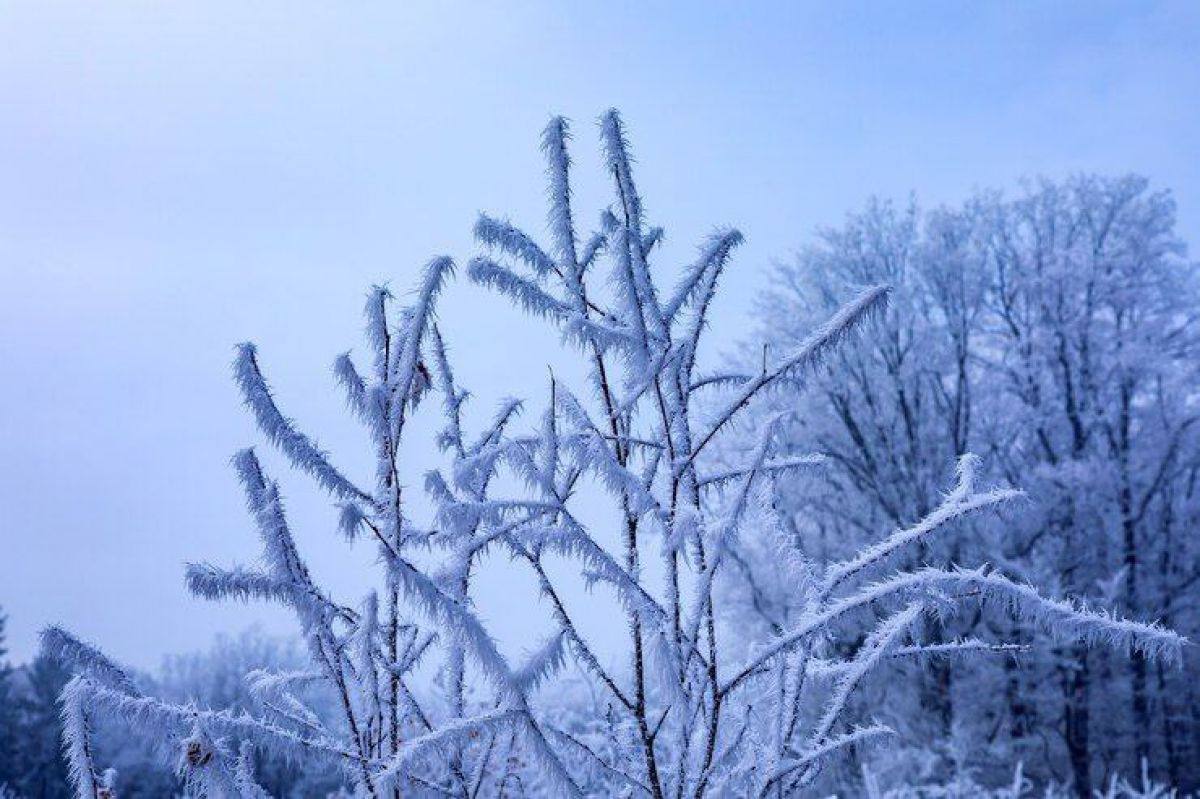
(892, 412)
(1053, 332)
(42, 772)
(9, 713)
(689, 712)
(1097, 345)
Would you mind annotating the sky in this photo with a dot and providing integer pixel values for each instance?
(179, 177)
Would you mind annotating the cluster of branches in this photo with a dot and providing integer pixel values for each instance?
(684, 715)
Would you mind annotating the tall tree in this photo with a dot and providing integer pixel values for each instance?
(1055, 333)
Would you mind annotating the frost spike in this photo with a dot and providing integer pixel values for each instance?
(301, 451)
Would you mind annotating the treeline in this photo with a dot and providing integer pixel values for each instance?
(1054, 334)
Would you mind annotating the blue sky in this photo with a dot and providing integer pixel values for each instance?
(175, 178)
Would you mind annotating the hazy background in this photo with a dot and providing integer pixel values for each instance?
(175, 178)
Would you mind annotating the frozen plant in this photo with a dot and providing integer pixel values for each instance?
(684, 714)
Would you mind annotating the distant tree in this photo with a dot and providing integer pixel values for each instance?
(44, 771)
(689, 713)
(216, 678)
(9, 714)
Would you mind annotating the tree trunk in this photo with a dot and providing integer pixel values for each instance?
(1078, 721)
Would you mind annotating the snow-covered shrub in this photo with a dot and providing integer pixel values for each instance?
(689, 715)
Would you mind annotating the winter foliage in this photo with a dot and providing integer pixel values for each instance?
(1052, 331)
(691, 465)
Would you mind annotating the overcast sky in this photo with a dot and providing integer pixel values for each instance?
(178, 177)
